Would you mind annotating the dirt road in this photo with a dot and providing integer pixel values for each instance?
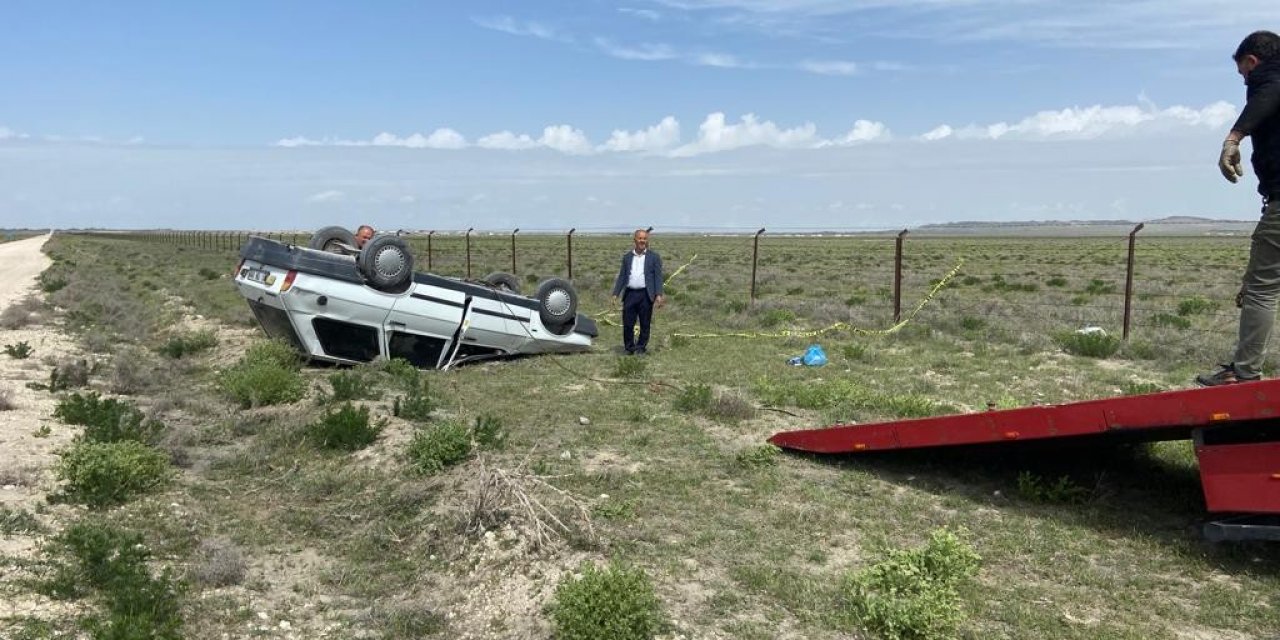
(29, 435)
(20, 262)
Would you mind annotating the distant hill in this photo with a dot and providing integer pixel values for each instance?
(1170, 225)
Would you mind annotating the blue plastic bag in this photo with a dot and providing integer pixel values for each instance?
(814, 356)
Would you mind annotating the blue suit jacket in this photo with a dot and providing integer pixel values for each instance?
(652, 273)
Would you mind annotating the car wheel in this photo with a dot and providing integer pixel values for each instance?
(333, 240)
(385, 262)
(503, 282)
(557, 304)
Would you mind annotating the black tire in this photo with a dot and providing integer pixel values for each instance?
(503, 282)
(557, 305)
(385, 262)
(333, 239)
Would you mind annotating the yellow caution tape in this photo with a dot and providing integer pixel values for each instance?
(788, 333)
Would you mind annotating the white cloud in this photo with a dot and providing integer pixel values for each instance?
(565, 139)
(1169, 24)
(645, 51)
(507, 141)
(1087, 123)
(716, 135)
(647, 14)
(511, 26)
(722, 60)
(863, 131)
(443, 138)
(9, 134)
(663, 135)
(830, 67)
(331, 195)
(938, 133)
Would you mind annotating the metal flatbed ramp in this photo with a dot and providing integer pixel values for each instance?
(1167, 415)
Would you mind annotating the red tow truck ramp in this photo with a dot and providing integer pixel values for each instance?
(1236, 430)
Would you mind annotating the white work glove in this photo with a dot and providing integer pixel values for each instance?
(1229, 161)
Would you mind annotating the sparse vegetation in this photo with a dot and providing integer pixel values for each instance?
(183, 344)
(107, 419)
(615, 601)
(94, 558)
(349, 428)
(267, 374)
(102, 474)
(912, 593)
(19, 350)
(437, 446)
(1091, 345)
(1039, 489)
(662, 486)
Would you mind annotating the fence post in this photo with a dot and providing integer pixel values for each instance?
(469, 252)
(1128, 282)
(897, 278)
(513, 250)
(755, 255)
(429, 234)
(569, 250)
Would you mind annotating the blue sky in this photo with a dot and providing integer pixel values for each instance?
(683, 113)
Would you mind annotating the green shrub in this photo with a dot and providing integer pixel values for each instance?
(912, 594)
(728, 406)
(694, 398)
(112, 563)
(855, 300)
(1195, 305)
(102, 474)
(18, 521)
(352, 385)
(488, 431)
(209, 274)
(19, 351)
(348, 429)
(416, 403)
(629, 366)
(267, 374)
(107, 420)
(1063, 490)
(1056, 281)
(776, 317)
(1091, 345)
(405, 376)
(435, 447)
(1170, 320)
(972, 323)
(1099, 287)
(70, 373)
(184, 344)
(765, 455)
(50, 283)
(614, 602)
(1140, 388)
(855, 351)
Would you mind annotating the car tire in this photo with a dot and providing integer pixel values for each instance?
(557, 305)
(385, 262)
(503, 282)
(332, 240)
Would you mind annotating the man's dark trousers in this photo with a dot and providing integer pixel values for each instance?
(636, 305)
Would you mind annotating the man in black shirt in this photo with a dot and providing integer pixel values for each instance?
(1258, 61)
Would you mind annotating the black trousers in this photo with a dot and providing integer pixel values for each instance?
(636, 305)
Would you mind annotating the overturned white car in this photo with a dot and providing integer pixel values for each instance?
(341, 304)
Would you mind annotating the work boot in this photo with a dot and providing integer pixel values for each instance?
(1226, 374)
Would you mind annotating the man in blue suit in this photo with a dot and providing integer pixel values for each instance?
(639, 287)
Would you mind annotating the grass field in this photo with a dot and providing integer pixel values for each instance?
(658, 463)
